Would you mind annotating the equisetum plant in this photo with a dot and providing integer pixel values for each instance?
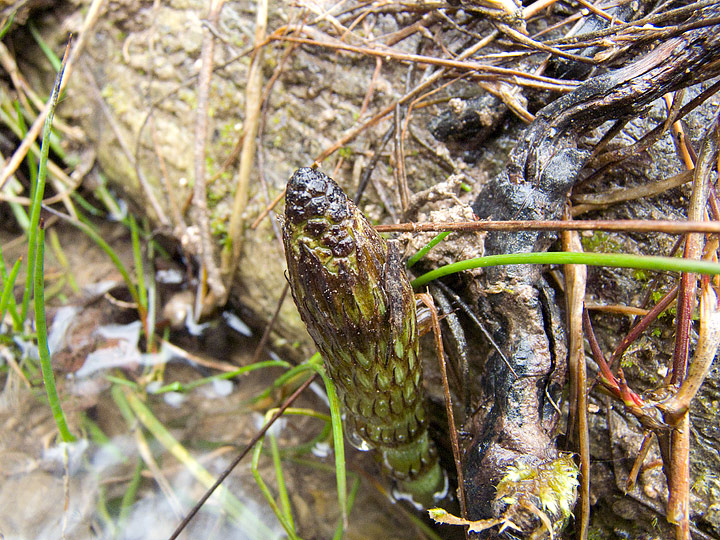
(353, 295)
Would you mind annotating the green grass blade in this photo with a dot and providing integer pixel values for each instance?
(108, 524)
(7, 300)
(42, 340)
(184, 387)
(282, 380)
(130, 493)
(280, 479)
(139, 270)
(44, 47)
(254, 467)
(340, 529)
(619, 260)
(8, 24)
(338, 443)
(431, 244)
(62, 259)
(39, 193)
(109, 251)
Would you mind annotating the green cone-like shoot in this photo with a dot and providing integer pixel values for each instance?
(356, 301)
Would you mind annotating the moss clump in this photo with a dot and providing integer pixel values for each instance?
(538, 498)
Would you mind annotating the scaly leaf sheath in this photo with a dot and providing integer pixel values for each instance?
(356, 301)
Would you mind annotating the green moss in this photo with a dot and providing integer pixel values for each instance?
(627, 362)
(600, 241)
(549, 487)
(595, 533)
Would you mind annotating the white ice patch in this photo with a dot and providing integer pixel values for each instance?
(171, 276)
(321, 450)
(174, 399)
(60, 325)
(125, 351)
(234, 322)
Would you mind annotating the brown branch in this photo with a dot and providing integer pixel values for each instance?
(253, 107)
(428, 301)
(575, 281)
(630, 225)
(214, 278)
(511, 75)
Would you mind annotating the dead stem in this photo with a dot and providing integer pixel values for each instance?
(353, 133)
(253, 107)
(575, 282)
(595, 201)
(707, 345)
(615, 156)
(629, 225)
(399, 169)
(124, 147)
(268, 328)
(202, 219)
(679, 467)
(178, 220)
(499, 73)
(639, 460)
(619, 309)
(642, 325)
(437, 333)
(157, 473)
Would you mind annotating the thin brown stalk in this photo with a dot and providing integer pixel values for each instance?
(639, 460)
(597, 11)
(268, 328)
(642, 325)
(352, 134)
(678, 507)
(230, 159)
(616, 308)
(575, 281)
(536, 7)
(615, 156)
(178, 220)
(125, 148)
(596, 350)
(253, 108)
(428, 301)
(511, 75)
(268, 209)
(625, 29)
(678, 479)
(202, 219)
(371, 87)
(629, 225)
(408, 31)
(538, 46)
(595, 200)
(707, 345)
(399, 169)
